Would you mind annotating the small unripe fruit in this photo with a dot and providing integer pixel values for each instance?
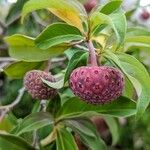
(35, 86)
(145, 15)
(97, 85)
(90, 4)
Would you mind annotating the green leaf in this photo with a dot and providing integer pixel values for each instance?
(74, 107)
(65, 140)
(33, 122)
(18, 69)
(88, 134)
(56, 85)
(78, 59)
(138, 76)
(57, 33)
(8, 141)
(128, 89)
(23, 48)
(138, 40)
(113, 127)
(111, 7)
(68, 11)
(54, 105)
(116, 21)
(137, 37)
(137, 31)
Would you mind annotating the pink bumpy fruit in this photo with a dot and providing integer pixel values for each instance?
(90, 4)
(97, 85)
(35, 86)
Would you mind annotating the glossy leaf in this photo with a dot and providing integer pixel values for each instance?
(54, 105)
(8, 141)
(65, 140)
(137, 37)
(64, 9)
(138, 76)
(56, 85)
(33, 122)
(57, 33)
(23, 48)
(116, 21)
(18, 69)
(137, 32)
(78, 59)
(110, 7)
(138, 41)
(87, 132)
(74, 107)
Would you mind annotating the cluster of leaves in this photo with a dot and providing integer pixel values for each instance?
(106, 26)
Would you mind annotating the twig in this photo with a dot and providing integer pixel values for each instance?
(3, 46)
(53, 60)
(3, 65)
(39, 20)
(57, 60)
(16, 101)
(43, 105)
(5, 109)
(15, 18)
(35, 142)
(48, 65)
(3, 26)
(5, 59)
(81, 47)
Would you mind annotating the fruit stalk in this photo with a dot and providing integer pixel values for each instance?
(92, 54)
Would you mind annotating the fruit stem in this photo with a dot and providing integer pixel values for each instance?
(92, 54)
(48, 65)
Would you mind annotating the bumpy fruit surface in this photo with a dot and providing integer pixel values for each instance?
(36, 88)
(145, 15)
(90, 4)
(97, 85)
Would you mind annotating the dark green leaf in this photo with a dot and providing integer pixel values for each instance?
(54, 105)
(74, 107)
(58, 33)
(33, 122)
(18, 69)
(23, 48)
(78, 59)
(88, 134)
(8, 141)
(65, 140)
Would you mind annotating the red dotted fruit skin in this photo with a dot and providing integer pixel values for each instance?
(36, 88)
(90, 4)
(97, 85)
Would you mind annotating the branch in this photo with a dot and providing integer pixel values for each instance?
(48, 65)
(4, 59)
(3, 26)
(39, 20)
(81, 47)
(2, 65)
(5, 109)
